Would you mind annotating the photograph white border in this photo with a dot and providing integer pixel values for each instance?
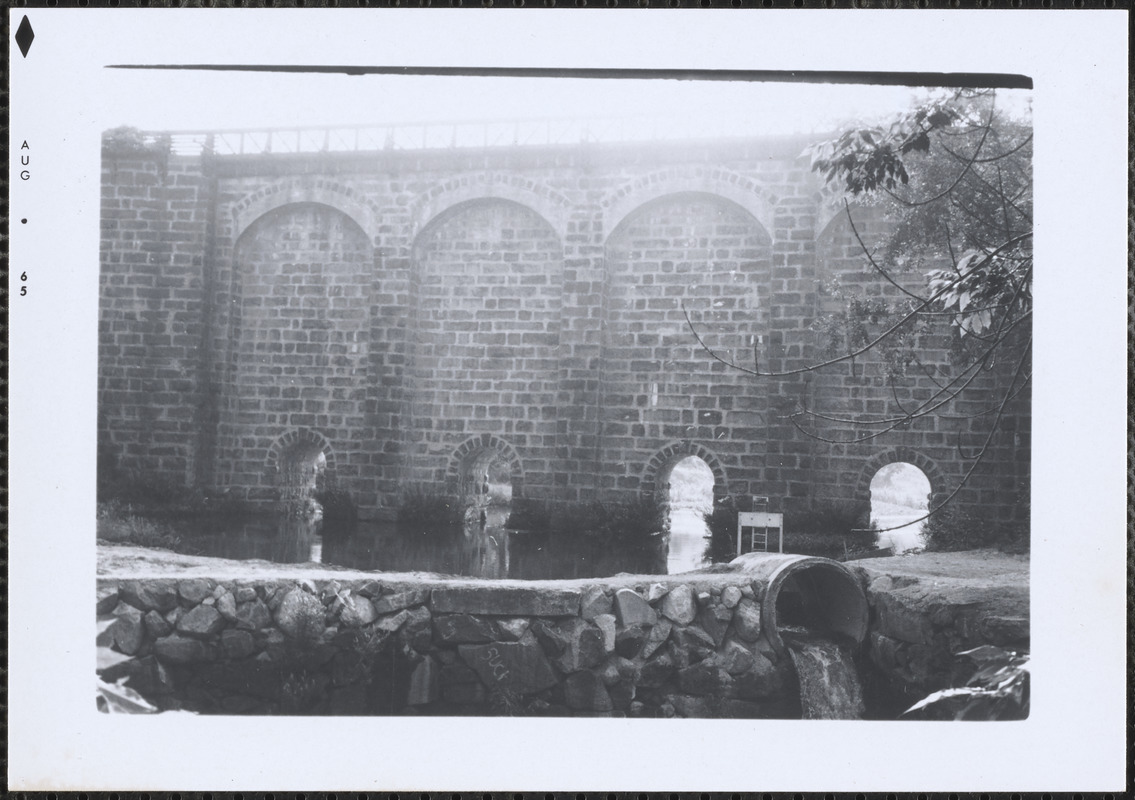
(1075, 736)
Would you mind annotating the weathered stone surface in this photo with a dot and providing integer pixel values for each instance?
(237, 644)
(657, 637)
(631, 609)
(1002, 630)
(462, 629)
(244, 594)
(690, 707)
(704, 598)
(392, 622)
(506, 601)
(226, 606)
(201, 621)
(679, 605)
(423, 683)
(181, 649)
(300, 615)
(417, 632)
(629, 641)
(747, 620)
(173, 615)
(735, 658)
(655, 593)
(763, 679)
(656, 671)
(149, 595)
(594, 602)
(399, 600)
(457, 673)
(358, 612)
(621, 694)
(606, 625)
(511, 629)
(194, 590)
(106, 598)
(583, 691)
(706, 677)
(714, 620)
(609, 673)
(253, 615)
(519, 666)
(372, 590)
(156, 625)
(573, 644)
(730, 596)
(128, 631)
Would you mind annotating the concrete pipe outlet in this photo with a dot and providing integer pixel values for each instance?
(806, 595)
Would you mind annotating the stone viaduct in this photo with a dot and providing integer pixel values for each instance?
(406, 317)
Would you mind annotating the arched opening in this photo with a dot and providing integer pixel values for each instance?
(486, 494)
(689, 502)
(303, 470)
(900, 496)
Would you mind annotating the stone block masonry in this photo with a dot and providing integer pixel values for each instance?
(663, 648)
(406, 315)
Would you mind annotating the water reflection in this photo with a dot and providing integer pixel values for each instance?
(689, 542)
(481, 548)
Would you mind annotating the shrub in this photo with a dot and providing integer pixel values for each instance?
(116, 522)
(337, 505)
(424, 509)
(997, 690)
(609, 521)
(951, 529)
(828, 529)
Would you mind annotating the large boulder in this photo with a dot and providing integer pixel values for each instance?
(631, 609)
(573, 645)
(747, 620)
(397, 601)
(129, 631)
(201, 622)
(300, 615)
(357, 612)
(680, 605)
(594, 602)
(519, 666)
(253, 615)
(584, 691)
(194, 590)
(462, 629)
(176, 649)
(149, 595)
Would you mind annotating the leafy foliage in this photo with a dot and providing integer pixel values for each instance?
(952, 529)
(117, 522)
(998, 689)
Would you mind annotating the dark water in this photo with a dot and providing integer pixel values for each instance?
(483, 551)
(829, 681)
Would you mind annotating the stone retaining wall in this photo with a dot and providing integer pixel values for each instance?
(683, 647)
(919, 626)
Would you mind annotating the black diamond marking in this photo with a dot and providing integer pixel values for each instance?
(24, 36)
